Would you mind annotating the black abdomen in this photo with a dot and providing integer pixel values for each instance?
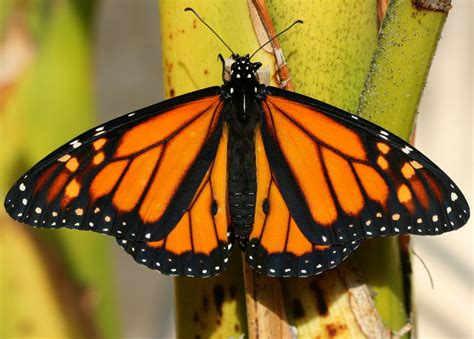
(242, 183)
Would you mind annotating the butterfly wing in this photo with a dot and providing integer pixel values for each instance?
(133, 177)
(276, 246)
(198, 245)
(345, 179)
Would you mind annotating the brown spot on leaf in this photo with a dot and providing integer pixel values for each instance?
(219, 295)
(297, 309)
(335, 330)
(318, 294)
(430, 5)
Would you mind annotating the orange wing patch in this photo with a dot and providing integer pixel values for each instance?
(205, 223)
(163, 126)
(345, 179)
(179, 155)
(133, 184)
(320, 126)
(344, 182)
(197, 246)
(276, 246)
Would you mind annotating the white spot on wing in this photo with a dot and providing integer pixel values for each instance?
(407, 150)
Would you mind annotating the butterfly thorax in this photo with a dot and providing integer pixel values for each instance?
(241, 93)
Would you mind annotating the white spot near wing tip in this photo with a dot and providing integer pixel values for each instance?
(406, 150)
(131, 114)
(75, 144)
(148, 235)
(98, 129)
(38, 210)
(454, 196)
(383, 132)
(24, 201)
(22, 187)
(355, 117)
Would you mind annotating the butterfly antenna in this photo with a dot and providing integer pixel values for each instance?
(276, 36)
(213, 31)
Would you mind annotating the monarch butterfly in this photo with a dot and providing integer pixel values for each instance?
(297, 182)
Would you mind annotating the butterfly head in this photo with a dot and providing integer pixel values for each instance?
(243, 71)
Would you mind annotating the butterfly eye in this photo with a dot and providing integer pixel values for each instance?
(256, 65)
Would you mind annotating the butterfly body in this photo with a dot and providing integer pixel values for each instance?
(242, 92)
(300, 183)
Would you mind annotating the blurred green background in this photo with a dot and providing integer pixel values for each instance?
(68, 65)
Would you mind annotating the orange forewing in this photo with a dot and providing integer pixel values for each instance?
(199, 230)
